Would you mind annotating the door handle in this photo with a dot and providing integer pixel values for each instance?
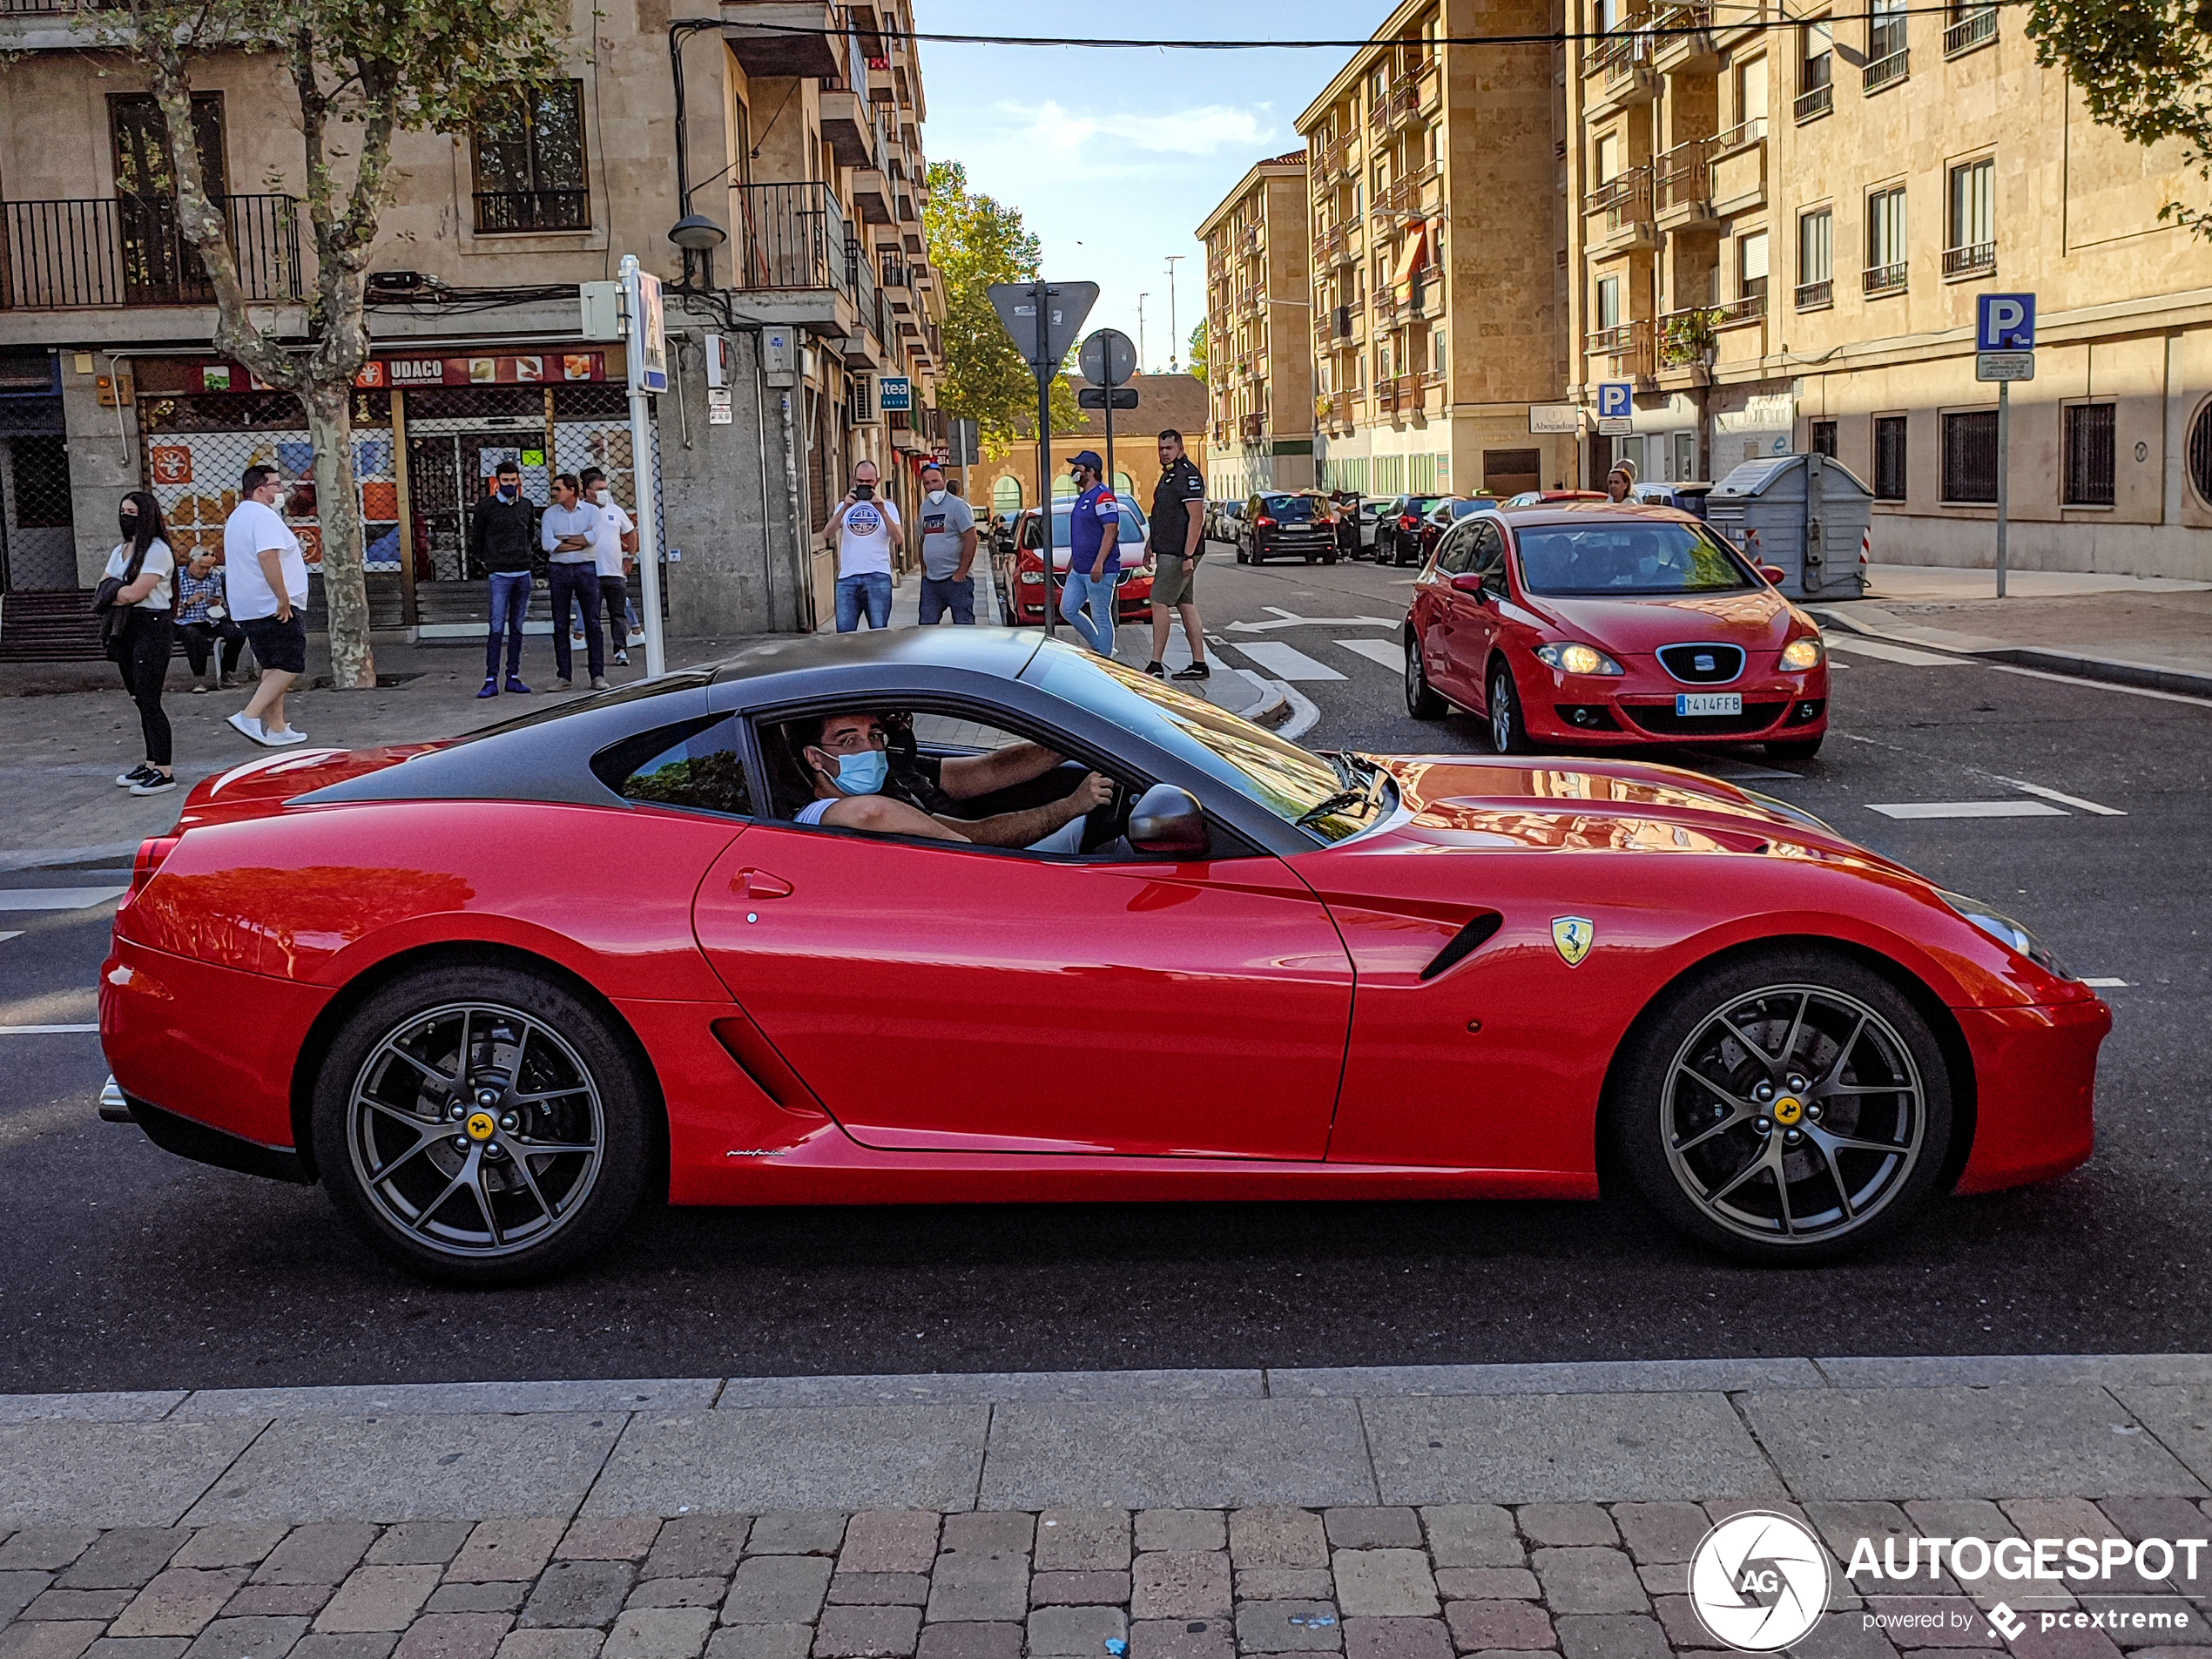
(759, 884)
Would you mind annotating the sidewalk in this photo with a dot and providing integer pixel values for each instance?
(2149, 631)
(1406, 1513)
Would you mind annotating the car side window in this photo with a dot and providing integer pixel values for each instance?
(1456, 552)
(1489, 561)
(699, 768)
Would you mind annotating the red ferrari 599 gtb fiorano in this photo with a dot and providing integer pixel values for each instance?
(490, 991)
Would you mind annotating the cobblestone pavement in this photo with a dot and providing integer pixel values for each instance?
(1584, 1580)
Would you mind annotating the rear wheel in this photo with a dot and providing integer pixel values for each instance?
(1788, 1107)
(1509, 733)
(1421, 701)
(1793, 748)
(1241, 557)
(483, 1126)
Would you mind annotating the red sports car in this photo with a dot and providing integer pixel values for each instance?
(490, 991)
(1606, 623)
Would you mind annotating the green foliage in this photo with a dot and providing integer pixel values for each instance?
(1196, 358)
(1688, 335)
(2145, 70)
(976, 241)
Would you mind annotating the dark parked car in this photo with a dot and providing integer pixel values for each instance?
(1287, 524)
(1397, 529)
(1446, 513)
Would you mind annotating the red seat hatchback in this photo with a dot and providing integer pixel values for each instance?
(1595, 622)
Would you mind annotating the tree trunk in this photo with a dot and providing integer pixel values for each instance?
(345, 584)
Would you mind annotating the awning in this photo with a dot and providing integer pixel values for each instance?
(1409, 259)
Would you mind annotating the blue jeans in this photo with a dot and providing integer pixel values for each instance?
(1097, 592)
(943, 593)
(510, 599)
(875, 587)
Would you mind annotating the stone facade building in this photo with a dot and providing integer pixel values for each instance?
(1260, 357)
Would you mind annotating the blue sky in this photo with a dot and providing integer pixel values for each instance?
(1114, 157)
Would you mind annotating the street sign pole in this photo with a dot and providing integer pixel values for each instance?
(2003, 471)
(648, 374)
(1041, 318)
(2004, 352)
(1044, 451)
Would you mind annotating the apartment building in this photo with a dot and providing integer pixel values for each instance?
(1783, 224)
(1004, 482)
(1438, 312)
(801, 141)
(1259, 359)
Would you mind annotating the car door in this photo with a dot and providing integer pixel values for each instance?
(938, 996)
(1454, 617)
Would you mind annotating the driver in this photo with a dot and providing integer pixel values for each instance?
(846, 758)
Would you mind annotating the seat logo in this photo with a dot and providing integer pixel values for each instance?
(1759, 1581)
(1574, 936)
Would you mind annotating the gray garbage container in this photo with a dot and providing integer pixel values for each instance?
(1805, 514)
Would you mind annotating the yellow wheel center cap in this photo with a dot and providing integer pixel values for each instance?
(1787, 1110)
(482, 1126)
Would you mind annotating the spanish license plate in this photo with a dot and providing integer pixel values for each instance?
(1688, 704)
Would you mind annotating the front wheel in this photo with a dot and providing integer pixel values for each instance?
(483, 1126)
(1421, 699)
(1508, 733)
(1789, 1107)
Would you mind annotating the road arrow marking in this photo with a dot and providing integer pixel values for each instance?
(1291, 619)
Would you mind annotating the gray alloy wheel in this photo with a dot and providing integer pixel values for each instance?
(1422, 701)
(1787, 1110)
(1508, 734)
(479, 1126)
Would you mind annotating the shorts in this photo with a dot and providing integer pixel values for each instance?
(280, 645)
(1175, 579)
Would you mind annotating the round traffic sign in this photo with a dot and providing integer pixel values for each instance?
(1107, 357)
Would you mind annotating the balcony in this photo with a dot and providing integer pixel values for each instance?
(1745, 308)
(789, 237)
(1625, 202)
(1816, 296)
(505, 212)
(1331, 161)
(1975, 27)
(897, 282)
(1252, 427)
(1814, 102)
(1400, 107)
(1334, 246)
(1975, 259)
(1403, 197)
(128, 251)
(1681, 185)
(848, 123)
(1883, 279)
(1627, 344)
(1739, 169)
(779, 38)
(1886, 71)
(872, 195)
(1399, 394)
(1681, 40)
(1620, 64)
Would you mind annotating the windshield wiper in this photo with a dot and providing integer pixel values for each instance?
(1336, 803)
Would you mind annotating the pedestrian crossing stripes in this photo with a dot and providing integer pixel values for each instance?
(1286, 661)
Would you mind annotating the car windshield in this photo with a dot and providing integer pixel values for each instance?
(1419, 504)
(1287, 780)
(1288, 509)
(1462, 508)
(1626, 558)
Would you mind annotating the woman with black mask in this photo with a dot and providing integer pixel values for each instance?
(145, 567)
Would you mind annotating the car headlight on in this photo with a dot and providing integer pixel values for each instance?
(1578, 659)
(2005, 930)
(1033, 578)
(1803, 653)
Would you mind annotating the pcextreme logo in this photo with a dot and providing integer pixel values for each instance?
(1759, 1581)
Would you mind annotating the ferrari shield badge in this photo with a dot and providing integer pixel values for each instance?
(1574, 936)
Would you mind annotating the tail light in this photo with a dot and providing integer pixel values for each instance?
(1405, 521)
(1263, 523)
(148, 862)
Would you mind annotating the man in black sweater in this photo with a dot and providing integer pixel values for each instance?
(502, 538)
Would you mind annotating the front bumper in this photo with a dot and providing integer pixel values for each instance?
(1638, 707)
(1132, 601)
(2035, 1090)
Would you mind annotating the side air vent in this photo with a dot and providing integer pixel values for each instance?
(1463, 943)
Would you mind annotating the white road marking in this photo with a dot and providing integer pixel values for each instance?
(1291, 619)
(1388, 652)
(42, 1030)
(2097, 685)
(57, 898)
(2106, 984)
(1966, 809)
(1734, 771)
(15, 933)
(1890, 654)
(2065, 799)
(1287, 661)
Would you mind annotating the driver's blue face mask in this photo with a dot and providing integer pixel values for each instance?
(863, 773)
(508, 492)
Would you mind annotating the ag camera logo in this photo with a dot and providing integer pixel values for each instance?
(1759, 1581)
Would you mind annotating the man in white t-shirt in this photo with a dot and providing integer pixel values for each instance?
(266, 576)
(616, 553)
(866, 531)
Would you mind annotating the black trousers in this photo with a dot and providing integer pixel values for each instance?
(143, 655)
(577, 582)
(199, 639)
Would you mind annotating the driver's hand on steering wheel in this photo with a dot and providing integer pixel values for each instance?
(1096, 791)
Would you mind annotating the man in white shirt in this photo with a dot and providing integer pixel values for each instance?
(569, 530)
(265, 574)
(615, 555)
(865, 529)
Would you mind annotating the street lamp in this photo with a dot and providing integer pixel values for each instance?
(1175, 345)
(696, 233)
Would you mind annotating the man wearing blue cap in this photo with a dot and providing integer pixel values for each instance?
(1094, 563)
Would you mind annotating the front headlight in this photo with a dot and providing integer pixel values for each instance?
(1801, 654)
(1033, 578)
(2005, 930)
(1578, 659)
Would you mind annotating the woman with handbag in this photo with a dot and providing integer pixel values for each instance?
(134, 602)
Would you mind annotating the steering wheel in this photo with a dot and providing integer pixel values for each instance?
(1105, 824)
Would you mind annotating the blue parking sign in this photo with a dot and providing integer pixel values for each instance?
(2005, 322)
(1615, 399)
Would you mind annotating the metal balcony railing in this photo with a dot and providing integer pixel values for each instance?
(1684, 175)
(1628, 344)
(1887, 71)
(128, 251)
(1252, 426)
(1815, 102)
(867, 298)
(1883, 279)
(1970, 259)
(1813, 295)
(1745, 307)
(1744, 134)
(789, 236)
(1976, 26)
(506, 212)
(1623, 47)
(896, 273)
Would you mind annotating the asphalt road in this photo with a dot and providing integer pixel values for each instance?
(127, 1268)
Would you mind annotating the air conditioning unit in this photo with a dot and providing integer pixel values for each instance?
(860, 407)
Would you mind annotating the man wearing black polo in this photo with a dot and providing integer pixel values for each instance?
(1178, 542)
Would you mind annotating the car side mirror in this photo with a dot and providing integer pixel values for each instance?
(1168, 819)
(1774, 574)
(1468, 582)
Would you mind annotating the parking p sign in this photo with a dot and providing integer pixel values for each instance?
(2005, 322)
(1616, 400)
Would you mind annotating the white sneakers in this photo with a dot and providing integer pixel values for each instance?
(252, 730)
(247, 726)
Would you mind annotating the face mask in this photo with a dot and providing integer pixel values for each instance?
(128, 523)
(936, 498)
(599, 497)
(862, 773)
(508, 492)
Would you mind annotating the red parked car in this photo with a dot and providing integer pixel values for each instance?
(1016, 573)
(1604, 624)
(490, 992)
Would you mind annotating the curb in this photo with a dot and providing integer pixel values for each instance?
(2113, 670)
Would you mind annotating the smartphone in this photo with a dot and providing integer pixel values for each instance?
(864, 492)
